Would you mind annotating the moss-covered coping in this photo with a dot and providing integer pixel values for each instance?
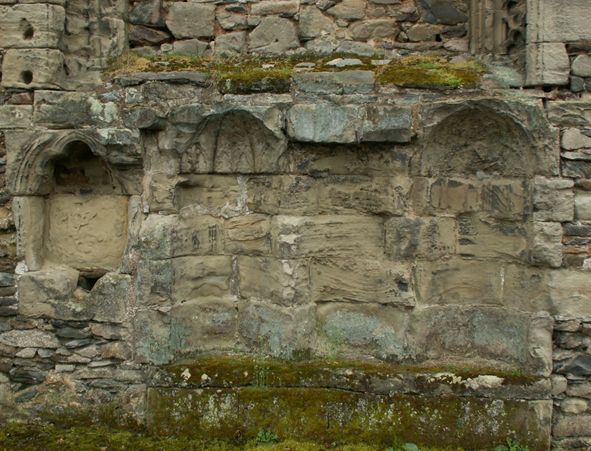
(33, 437)
(272, 74)
(239, 370)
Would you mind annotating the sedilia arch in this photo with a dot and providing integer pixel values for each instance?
(72, 201)
(488, 137)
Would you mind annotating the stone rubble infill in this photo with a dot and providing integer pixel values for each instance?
(572, 382)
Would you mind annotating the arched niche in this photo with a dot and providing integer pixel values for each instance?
(71, 206)
(479, 140)
(231, 142)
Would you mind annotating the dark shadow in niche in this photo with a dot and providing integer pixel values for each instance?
(27, 77)
(80, 171)
(87, 281)
(27, 29)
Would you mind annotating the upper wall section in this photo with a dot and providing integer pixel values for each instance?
(66, 45)
(558, 36)
(277, 26)
(58, 44)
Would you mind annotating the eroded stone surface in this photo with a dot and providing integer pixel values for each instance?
(345, 218)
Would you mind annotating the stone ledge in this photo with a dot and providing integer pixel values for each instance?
(328, 415)
(371, 377)
(178, 77)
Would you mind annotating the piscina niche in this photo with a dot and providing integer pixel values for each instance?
(72, 207)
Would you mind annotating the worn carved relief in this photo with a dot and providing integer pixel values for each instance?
(497, 26)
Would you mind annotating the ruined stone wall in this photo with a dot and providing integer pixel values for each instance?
(154, 218)
(275, 27)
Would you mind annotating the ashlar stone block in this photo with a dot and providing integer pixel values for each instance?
(209, 194)
(553, 199)
(550, 21)
(547, 244)
(505, 199)
(384, 123)
(201, 325)
(484, 237)
(16, 116)
(327, 235)
(358, 331)
(484, 333)
(279, 281)
(86, 232)
(33, 68)
(37, 25)
(277, 331)
(361, 281)
(198, 277)
(248, 234)
(416, 237)
(191, 20)
(324, 123)
(547, 64)
(451, 195)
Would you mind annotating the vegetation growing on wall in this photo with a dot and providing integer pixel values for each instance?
(425, 71)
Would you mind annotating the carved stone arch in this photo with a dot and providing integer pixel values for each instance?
(32, 169)
(478, 138)
(71, 203)
(233, 141)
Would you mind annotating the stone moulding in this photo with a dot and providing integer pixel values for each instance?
(29, 167)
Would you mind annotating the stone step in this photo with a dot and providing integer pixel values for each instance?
(348, 402)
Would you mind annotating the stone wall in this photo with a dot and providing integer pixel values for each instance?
(154, 218)
(277, 26)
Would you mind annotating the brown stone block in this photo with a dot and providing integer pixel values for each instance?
(248, 234)
(327, 235)
(361, 281)
(198, 277)
(484, 237)
(282, 282)
(415, 237)
(32, 25)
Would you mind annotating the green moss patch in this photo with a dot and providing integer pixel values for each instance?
(241, 370)
(328, 415)
(48, 437)
(252, 74)
(430, 72)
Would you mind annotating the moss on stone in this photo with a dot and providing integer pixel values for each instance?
(423, 71)
(326, 415)
(243, 370)
(252, 73)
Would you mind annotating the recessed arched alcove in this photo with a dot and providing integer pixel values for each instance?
(71, 209)
(477, 140)
(71, 206)
(86, 212)
(234, 141)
